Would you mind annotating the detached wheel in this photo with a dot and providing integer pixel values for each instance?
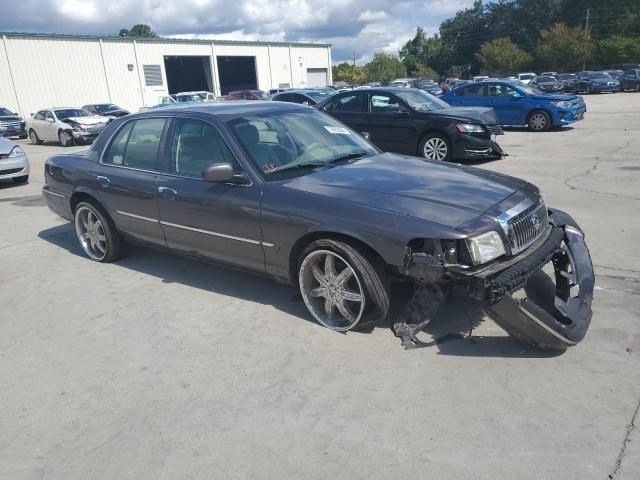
(539, 121)
(435, 147)
(33, 137)
(97, 235)
(65, 138)
(342, 287)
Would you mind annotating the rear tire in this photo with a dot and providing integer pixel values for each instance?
(435, 146)
(343, 287)
(33, 136)
(539, 121)
(22, 137)
(637, 89)
(97, 234)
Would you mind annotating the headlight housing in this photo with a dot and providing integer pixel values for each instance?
(486, 247)
(562, 104)
(469, 128)
(16, 152)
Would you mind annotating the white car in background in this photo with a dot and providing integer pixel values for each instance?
(526, 77)
(14, 163)
(68, 126)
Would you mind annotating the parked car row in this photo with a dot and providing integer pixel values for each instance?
(294, 193)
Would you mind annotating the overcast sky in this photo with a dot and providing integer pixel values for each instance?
(363, 26)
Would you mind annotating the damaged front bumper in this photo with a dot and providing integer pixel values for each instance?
(545, 312)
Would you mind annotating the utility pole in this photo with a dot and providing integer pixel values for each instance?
(354, 58)
(586, 27)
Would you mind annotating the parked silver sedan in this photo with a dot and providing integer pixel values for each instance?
(14, 163)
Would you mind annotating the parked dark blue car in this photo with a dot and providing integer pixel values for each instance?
(596, 82)
(519, 104)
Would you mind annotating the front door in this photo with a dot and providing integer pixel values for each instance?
(50, 130)
(128, 177)
(509, 104)
(391, 124)
(216, 220)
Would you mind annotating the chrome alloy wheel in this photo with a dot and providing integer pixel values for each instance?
(435, 149)
(538, 121)
(331, 290)
(90, 233)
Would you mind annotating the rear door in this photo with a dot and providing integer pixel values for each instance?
(129, 175)
(350, 108)
(390, 124)
(216, 220)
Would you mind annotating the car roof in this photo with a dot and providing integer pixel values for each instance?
(227, 110)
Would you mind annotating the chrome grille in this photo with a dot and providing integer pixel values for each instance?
(526, 227)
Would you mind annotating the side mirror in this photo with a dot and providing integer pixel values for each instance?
(218, 172)
(517, 96)
(366, 135)
(50, 120)
(305, 103)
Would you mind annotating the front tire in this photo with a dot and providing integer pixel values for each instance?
(65, 138)
(97, 234)
(637, 88)
(342, 286)
(33, 136)
(539, 121)
(435, 147)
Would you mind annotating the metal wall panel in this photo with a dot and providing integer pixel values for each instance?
(61, 72)
(124, 84)
(8, 97)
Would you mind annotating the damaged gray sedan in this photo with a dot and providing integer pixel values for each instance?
(290, 192)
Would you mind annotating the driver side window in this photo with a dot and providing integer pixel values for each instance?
(195, 146)
(501, 91)
(384, 104)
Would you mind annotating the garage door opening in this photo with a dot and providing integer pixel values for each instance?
(237, 73)
(317, 77)
(188, 74)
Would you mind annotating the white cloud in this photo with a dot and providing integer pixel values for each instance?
(363, 26)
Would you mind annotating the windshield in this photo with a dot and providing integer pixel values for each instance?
(71, 112)
(567, 76)
(545, 79)
(107, 107)
(279, 141)
(529, 89)
(4, 111)
(601, 75)
(317, 95)
(422, 101)
(188, 98)
(526, 76)
(260, 94)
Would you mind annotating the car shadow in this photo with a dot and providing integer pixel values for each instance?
(561, 129)
(8, 183)
(449, 331)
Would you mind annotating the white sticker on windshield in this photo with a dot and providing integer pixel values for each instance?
(337, 130)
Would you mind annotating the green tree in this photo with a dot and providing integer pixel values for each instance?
(501, 56)
(563, 48)
(420, 52)
(423, 71)
(138, 31)
(384, 67)
(351, 74)
(614, 51)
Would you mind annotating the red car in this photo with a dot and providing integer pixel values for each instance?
(247, 95)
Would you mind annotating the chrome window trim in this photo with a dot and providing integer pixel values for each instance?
(216, 234)
(138, 217)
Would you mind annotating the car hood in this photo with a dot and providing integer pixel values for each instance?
(90, 120)
(442, 193)
(6, 146)
(556, 98)
(4, 118)
(475, 114)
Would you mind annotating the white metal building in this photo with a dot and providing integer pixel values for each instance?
(39, 71)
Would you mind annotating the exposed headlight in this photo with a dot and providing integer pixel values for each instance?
(16, 152)
(485, 247)
(469, 128)
(562, 104)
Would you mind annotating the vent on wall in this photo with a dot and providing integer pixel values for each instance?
(152, 75)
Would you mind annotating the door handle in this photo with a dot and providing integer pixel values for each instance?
(167, 192)
(103, 181)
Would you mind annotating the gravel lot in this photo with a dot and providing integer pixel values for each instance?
(159, 367)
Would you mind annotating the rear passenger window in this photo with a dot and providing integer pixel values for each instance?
(195, 146)
(136, 144)
(349, 103)
(474, 91)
